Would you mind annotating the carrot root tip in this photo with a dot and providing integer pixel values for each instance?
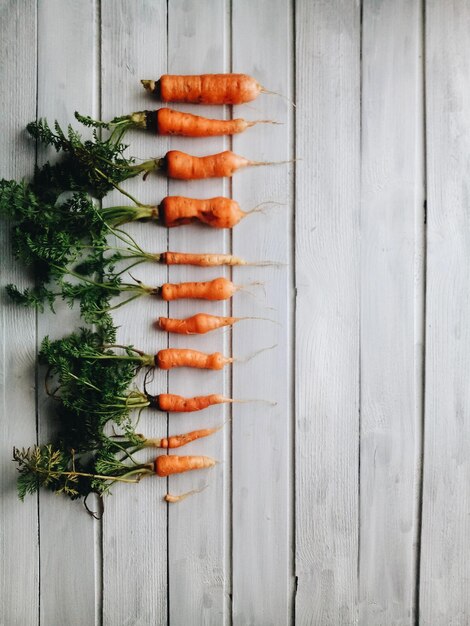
(170, 497)
(255, 354)
(280, 95)
(251, 123)
(258, 209)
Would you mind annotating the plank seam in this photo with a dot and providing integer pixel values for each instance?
(98, 524)
(167, 269)
(36, 321)
(420, 456)
(359, 398)
(228, 474)
(292, 324)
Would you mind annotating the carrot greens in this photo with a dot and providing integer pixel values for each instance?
(66, 246)
(93, 165)
(64, 472)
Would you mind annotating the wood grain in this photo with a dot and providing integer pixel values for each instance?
(19, 549)
(66, 51)
(262, 464)
(198, 42)
(445, 572)
(323, 528)
(392, 223)
(327, 310)
(135, 519)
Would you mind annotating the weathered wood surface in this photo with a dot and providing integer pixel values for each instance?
(392, 226)
(327, 311)
(326, 508)
(19, 546)
(134, 542)
(444, 574)
(63, 535)
(199, 529)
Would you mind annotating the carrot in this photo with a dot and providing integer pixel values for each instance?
(173, 403)
(201, 260)
(217, 212)
(165, 465)
(176, 441)
(184, 166)
(180, 357)
(170, 497)
(170, 122)
(205, 88)
(198, 324)
(217, 289)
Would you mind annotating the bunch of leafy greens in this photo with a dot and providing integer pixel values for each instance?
(63, 471)
(93, 383)
(93, 165)
(65, 245)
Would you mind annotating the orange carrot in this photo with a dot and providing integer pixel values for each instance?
(176, 441)
(184, 166)
(170, 497)
(165, 465)
(172, 403)
(169, 122)
(205, 88)
(201, 260)
(180, 357)
(217, 212)
(217, 289)
(198, 324)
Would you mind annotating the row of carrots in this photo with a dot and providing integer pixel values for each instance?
(174, 211)
(216, 212)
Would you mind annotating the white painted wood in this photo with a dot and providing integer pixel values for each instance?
(198, 540)
(135, 518)
(358, 245)
(445, 570)
(67, 82)
(327, 311)
(19, 550)
(262, 465)
(392, 222)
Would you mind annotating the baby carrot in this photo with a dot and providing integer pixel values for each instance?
(177, 164)
(170, 497)
(201, 260)
(205, 88)
(217, 212)
(167, 121)
(169, 358)
(176, 441)
(217, 289)
(198, 324)
(172, 403)
(170, 122)
(165, 465)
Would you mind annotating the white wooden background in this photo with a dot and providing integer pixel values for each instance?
(347, 502)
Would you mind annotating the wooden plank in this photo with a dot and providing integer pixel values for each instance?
(392, 223)
(198, 540)
(67, 82)
(327, 311)
(445, 570)
(263, 579)
(19, 550)
(135, 520)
